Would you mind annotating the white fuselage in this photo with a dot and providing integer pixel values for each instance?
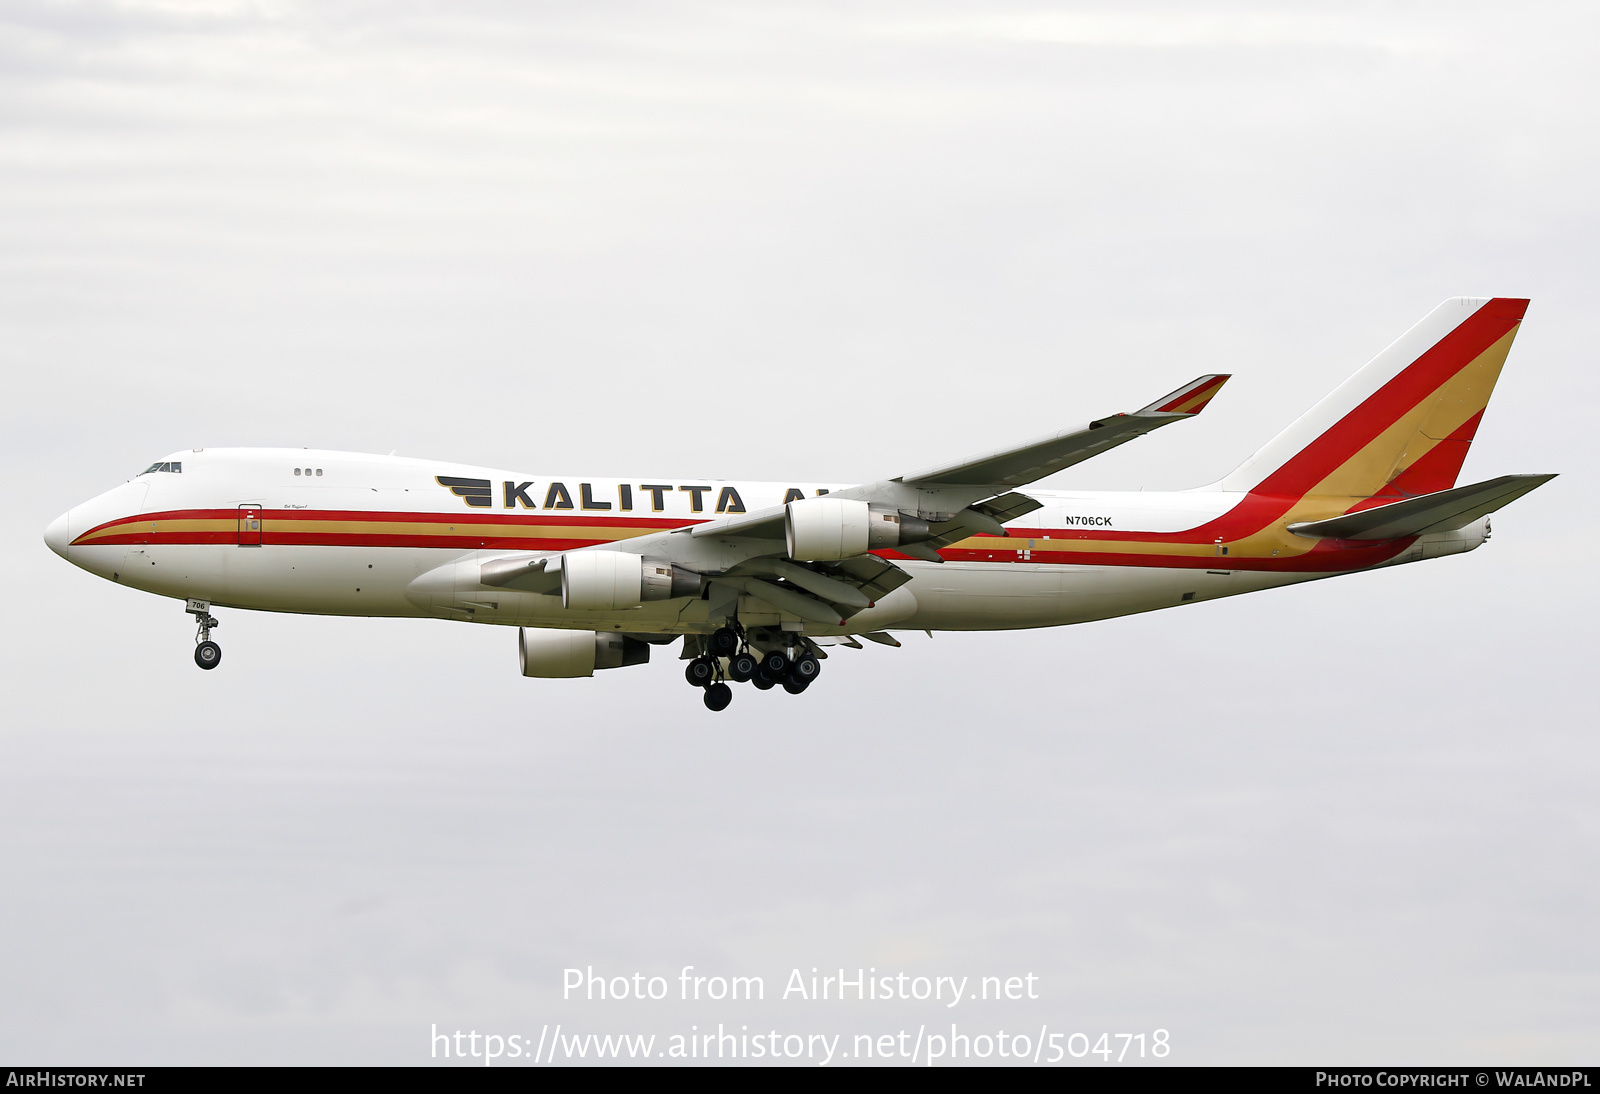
(333, 533)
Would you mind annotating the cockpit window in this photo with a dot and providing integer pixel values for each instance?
(172, 466)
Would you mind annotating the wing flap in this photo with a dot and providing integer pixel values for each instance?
(985, 518)
(878, 577)
(1008, 507)
(787, 600)
(819, 585)
(1442, 511)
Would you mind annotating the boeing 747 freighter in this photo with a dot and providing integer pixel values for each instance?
(757, 581)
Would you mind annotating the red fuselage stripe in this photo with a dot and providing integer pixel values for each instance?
(1323, 558)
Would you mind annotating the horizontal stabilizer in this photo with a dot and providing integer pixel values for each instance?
(1443, 511)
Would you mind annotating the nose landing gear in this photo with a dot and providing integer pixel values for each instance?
(207, 654)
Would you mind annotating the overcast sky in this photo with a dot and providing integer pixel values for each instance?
(1341, 823)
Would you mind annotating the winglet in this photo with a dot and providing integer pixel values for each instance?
(1191, 398)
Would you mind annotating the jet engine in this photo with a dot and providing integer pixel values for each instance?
(603, 581)
(824, 529)
(559, 654)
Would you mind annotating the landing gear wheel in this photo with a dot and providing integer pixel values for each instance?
(724, 640)
(208, 655)
(805, 668)
(742, 666)
(761, 680)
(700, 672)
(718, 696)
(775, 664)
(794, 685)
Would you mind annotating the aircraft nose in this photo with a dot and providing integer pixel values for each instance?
(59, 534)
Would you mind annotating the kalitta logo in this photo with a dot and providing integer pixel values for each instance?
(476, 492)
(479, 493)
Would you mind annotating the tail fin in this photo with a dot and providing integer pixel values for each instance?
(1402, 425)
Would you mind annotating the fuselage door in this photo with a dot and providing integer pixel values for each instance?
(249, 525)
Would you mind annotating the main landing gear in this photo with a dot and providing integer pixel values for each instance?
(207, 654)
(794, 668)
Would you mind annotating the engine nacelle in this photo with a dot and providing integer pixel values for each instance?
(823, 529)
(557, 654)
(664, 581)
(604, 581)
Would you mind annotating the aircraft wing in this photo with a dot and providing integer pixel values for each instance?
(1025, 463)
(747, 554)
(995, 473)
(1442, 511)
